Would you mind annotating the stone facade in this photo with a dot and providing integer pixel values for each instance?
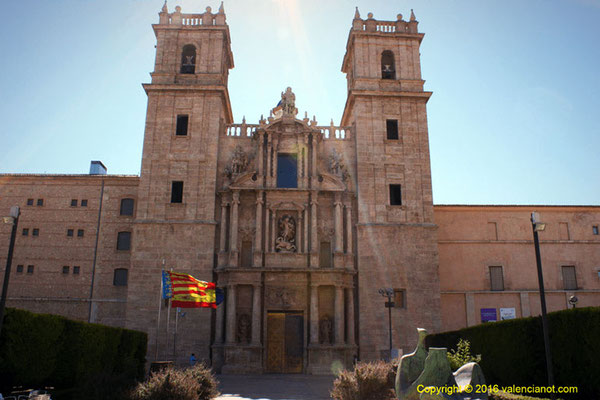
(300, 223)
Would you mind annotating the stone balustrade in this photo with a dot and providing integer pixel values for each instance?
(205, 19)
(247, 130)
(372, 25)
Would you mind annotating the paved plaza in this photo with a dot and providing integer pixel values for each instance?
(274, 387)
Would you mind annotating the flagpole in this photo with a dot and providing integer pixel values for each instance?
(158, 319)
(175, 336)
(168, 323)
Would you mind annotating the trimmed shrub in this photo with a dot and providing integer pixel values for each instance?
(513, 353)
(196, 383)
(373, 381)
(38, 350)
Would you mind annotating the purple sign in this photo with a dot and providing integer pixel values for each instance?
(488, 315)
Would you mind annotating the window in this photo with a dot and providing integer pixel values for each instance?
(120, 277)
(74, 203)
(569, 278)
(126, 207)
(79, 232)
(395, 195)
(76, 270)
(65, 269)
(40, 202)
(388, 68)
(287, 170)
(30, 269)
(399, 298)
(123, 240)
(188, 59)
(25, 231)
(36, 232)
(325, 255)
(84, 203)
(182, 125)
(177, 192)
(29, 202)
(595, 229)
(70, 232)
(496, 278)
(19, 269)
(391, 126)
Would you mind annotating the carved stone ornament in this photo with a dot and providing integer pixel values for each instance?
(287, 105)
(280, 297)
(337, 166)
(286, 238)
(238, 164)
(326, 330)
(244, 325)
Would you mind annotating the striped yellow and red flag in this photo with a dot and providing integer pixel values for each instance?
(185, 291)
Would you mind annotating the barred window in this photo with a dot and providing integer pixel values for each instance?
(496, 278)
(569, 277)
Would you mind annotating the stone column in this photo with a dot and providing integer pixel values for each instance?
(233, 243)
(339, 315)
(314, 161)
(256, 313)
(350, 315)
(272, 241)
(348, 228)
(314, 245)
(314, 314)
(339, 227)
(305, 212)
(269, 167)
(230, 329)
(219, 324)
(275, 147)
(260, 155)
(223, 240)
(299, 237)
(258, 235)
(305, 162)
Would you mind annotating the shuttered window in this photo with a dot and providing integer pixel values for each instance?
(496, 278)
(569, 278)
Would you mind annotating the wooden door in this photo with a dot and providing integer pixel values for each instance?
(285, 342)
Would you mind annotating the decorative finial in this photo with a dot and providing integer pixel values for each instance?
(399, 17)
(208, 9)
(221, 9)
(356, 14)
(305, 114)
(177, 9)
(271, 113)
(164, 8)
(412, 16)
(244, 119)
(331, 121)
(262, 117)
(370, 15)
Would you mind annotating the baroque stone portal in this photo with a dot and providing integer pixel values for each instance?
(286, 238)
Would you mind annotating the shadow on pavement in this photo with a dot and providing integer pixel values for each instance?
(274, 387)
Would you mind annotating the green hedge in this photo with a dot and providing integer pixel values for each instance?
(38, 350)
(512, 351)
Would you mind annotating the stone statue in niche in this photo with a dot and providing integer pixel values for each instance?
(238, 163)
(326, 330)
(286, 239)
(337, 166)
(243, 328)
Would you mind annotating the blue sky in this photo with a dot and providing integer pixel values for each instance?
(513, 118)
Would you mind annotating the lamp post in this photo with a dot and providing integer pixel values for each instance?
(389, 293)
(538, 227)
(573, 300)
(14, 220)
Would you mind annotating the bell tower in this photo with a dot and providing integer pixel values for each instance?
(188, 109)
(396, 234)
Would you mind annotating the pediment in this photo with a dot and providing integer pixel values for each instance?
(332, 183)
(286, 205)
(244, 181)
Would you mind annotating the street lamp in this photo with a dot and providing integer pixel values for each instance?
(13, 219)
(538, 227)
(389, 293)
(573, 300)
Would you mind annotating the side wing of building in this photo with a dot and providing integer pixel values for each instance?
(488, 266)
(64, 241)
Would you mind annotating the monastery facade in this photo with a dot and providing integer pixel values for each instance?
(301, 224)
